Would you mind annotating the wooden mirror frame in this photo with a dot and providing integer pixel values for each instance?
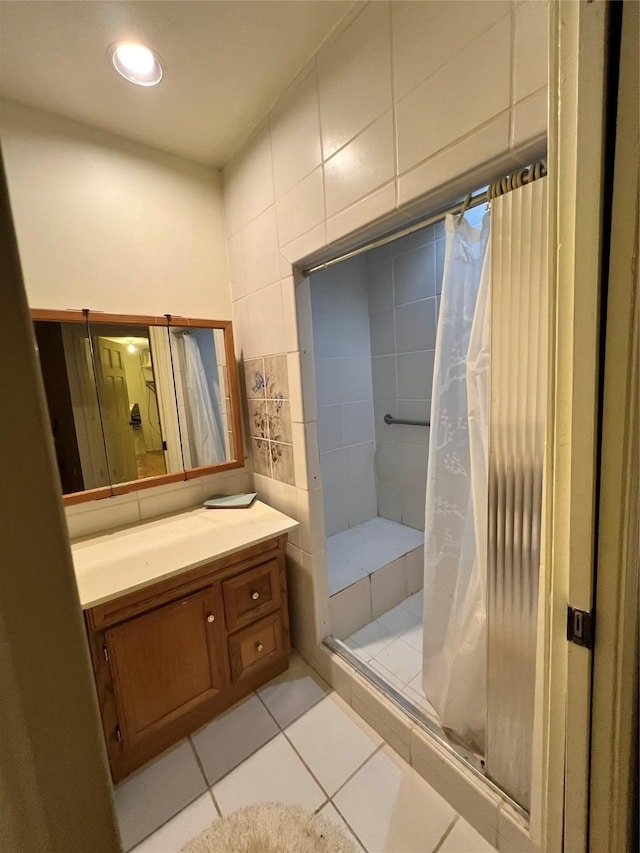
(167, 320)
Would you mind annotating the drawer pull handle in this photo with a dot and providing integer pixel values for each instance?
(255, 595)
(211, 618)
(259, 647)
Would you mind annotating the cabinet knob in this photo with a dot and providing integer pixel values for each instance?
(255, 595)
(211, 618)
(259, 647)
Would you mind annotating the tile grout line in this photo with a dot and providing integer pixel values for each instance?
(283, 731)
(235, 767)
(295, 719)
(209, 787)
(209, 791)
(366, 761)
(351, 829)
(316, 780)
(163, 824)
(446, 834)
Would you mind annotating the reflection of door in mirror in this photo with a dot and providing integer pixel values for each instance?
(166, 400)
(67, 373)
(199, 365)
(117, 419)
(224, 401)
(131, 400)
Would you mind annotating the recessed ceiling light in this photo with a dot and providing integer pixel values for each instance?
(136, 63)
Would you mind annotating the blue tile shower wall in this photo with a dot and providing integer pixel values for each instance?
(404, 282)
(342, 357)
(374, 324)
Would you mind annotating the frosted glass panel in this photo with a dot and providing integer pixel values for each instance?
(518, 409)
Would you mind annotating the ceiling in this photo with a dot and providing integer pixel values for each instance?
(225, 64)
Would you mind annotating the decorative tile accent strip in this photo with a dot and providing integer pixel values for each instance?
(276, 377)
(269, 409)
(279, 420)
(261, 456)
(254, 378)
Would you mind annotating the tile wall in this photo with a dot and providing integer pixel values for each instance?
(404, 108)
(269, 417)
(405, 278)
(87, 519)
(342, 360)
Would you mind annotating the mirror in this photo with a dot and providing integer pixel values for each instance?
(72, 399)
(199, 363)
(137, 401)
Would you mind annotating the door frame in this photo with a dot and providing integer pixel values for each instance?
(577, 170)
(614, 735)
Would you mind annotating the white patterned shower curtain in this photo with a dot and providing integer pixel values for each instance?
(207, 445)
(454, 668)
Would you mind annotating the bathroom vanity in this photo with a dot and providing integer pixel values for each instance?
(185, 615)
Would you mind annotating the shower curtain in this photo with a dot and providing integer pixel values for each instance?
(207, 445)
(454, 661)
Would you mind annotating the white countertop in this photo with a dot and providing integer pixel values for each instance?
(121, 561)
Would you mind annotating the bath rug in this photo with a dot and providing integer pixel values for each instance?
(271, 828)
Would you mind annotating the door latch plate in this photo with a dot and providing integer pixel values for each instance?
(580, 627)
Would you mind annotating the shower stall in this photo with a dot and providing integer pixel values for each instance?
(445, 626)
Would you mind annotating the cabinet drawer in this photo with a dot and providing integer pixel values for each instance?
(251, 595)
(255, 646)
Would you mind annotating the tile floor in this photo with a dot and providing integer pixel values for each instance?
(357, 552)
(293, 741)
(392, 646)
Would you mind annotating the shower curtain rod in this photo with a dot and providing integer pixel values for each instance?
(497, 188)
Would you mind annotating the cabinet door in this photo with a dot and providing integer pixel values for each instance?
(167, 662)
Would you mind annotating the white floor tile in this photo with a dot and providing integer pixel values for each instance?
(401, 659)
(398, 619)
(273, 774)
(371, 639)
(295, 691)
(464, 839)
(420, 701)
(413, 636)
(333, 741)
(416, 684)
(387, 676)
(331, 813)
(415, 604)
(158, 791)
(181, 829)
(392, 808)
(231, 737)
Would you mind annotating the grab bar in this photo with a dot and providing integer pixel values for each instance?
(389, 419)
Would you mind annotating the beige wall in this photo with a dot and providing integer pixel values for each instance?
(55, 789)
(112, 225)
(406, 107)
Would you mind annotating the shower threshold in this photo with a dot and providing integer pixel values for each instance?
(469, 759)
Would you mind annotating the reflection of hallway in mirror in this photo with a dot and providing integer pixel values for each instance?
(150, 463)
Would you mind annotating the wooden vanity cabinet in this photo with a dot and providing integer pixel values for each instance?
(169, 657)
